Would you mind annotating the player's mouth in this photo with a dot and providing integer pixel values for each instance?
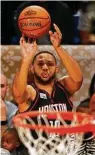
(45, 75)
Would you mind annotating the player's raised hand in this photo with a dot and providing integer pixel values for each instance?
(28, 49)
(55, 37)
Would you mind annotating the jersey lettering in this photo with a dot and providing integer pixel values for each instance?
(54, 107)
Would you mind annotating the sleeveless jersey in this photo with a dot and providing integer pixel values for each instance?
(58, 101)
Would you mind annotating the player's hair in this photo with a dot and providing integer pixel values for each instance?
(42, 53)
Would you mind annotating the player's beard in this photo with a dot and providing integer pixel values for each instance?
(42, 81)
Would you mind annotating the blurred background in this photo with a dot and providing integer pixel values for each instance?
(76, 20)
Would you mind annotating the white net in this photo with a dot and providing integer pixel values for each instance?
(40, 141)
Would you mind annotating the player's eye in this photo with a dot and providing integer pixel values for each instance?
(40, 63)
(50, 64)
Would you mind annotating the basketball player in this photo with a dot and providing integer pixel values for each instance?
(46, 92)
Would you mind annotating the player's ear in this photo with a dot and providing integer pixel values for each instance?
(57, 69)
(32, 69)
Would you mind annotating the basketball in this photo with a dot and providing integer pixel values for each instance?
(34, 21)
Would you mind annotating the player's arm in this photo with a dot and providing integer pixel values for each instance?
(20, 92)
(74, 80)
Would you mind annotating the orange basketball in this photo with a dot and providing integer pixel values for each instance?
(34, 21)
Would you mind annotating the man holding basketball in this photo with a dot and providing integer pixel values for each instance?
(46, 92)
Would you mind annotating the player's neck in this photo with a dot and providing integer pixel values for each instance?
(50, 84)
(47, 87)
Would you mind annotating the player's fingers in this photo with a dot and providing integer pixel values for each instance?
(23, 35)
(56, 35)
(29, 40)
(57, 30)
(34, 40)
(50, 32)
(21, 41)
(35, 43)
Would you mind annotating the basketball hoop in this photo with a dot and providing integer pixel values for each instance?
(42, 137)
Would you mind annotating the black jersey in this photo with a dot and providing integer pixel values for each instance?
(58, 101)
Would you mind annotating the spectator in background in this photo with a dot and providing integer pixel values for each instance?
(11, 142)
(3, 117)
(84, 105)
(86, 23)
(11, 109)
(88, 106)
(60, 14)
(4, 151)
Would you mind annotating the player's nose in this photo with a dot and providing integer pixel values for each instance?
(45, 67)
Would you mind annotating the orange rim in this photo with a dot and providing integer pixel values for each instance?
(87, 127)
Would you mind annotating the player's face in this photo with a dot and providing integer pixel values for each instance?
(45, 68)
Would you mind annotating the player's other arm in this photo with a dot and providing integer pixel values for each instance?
(74, 81)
